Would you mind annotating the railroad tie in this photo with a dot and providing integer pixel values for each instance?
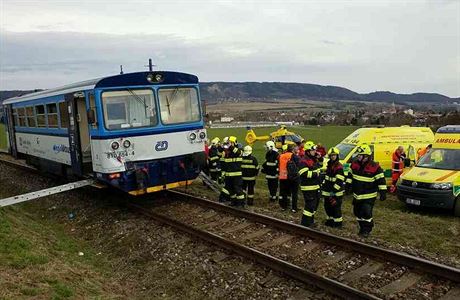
(321, 265)
(401, 284)
(302, 294)
(452, 294)
(238, 227)
(283, 239)
(256, 234)
(218, 223)
(299, 251)
(366, 269)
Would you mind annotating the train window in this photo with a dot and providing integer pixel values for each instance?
(15, 117)
(129, 109)
(63, 115)
(41, 118)
(30, 116)
(51, 112)
(22, 117)
(179, 105)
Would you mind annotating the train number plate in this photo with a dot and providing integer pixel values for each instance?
(412, 201)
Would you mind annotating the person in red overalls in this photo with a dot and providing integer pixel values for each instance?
(397, 166)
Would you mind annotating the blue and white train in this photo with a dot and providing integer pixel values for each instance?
(140, 132)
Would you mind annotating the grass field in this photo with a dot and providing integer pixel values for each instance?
(327, 135)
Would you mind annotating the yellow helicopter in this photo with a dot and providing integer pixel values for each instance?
(281, 137)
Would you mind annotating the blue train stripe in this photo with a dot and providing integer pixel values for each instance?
(153, 132)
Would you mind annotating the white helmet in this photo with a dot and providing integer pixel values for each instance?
(225, 140)
(270, 145)
(215, 141)
(247, 150)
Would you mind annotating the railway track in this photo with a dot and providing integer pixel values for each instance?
(343, 267)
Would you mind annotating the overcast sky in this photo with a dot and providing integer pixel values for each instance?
(401, 46)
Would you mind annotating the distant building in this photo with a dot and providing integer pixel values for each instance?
(226, 119)
(409, 111)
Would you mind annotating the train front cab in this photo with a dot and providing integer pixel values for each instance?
(435, 180)
(146, 136)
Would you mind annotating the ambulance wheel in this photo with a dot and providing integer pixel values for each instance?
(457, 207)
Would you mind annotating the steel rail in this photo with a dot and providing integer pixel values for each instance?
(424, 265)
(302, 275)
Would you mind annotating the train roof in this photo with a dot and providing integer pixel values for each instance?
(129, 79)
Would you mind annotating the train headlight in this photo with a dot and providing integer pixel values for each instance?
(126, 143)
(115, 145)
(192, 136)
(202, 135)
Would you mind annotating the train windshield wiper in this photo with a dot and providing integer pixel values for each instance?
(139, 99)
(173, 96)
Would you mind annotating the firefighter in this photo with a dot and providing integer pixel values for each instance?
(250, 169)
(213, 159)
(288, 178)
(397, 166)
(309, 172)
(270, 169)
(332, 189)
(232, 173)
(367, 181)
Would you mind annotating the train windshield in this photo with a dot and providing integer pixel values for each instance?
(129, 109)
(179, 105)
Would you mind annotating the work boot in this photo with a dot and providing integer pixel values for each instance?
(329, 222)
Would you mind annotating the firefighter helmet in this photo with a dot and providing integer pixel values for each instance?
(364, 149)
(247, 150)
(232, 139)
(215, 141)
(284, 147)
(333, 150)
(309, 146)
(270, 145)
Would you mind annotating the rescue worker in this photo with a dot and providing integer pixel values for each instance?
(232, 173)
(222, 151)
(250, 169)
(320, 150)
(423, 151)
(309, 172)
(397, 166)
(289, 185)
(213, 159)
(270, 169)
(333, 189)
(367, 180)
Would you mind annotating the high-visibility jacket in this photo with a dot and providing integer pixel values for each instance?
(283, 161)
(421, 152)
(213, 159)
(397, 164)
(249, 167)
(367, 179)
(334, 179)
(232, 162)
(270, 166)
(309, 170)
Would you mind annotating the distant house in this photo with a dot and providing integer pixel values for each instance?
(226, 119)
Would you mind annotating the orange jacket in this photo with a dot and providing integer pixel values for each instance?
(397, 164)
(283, 160)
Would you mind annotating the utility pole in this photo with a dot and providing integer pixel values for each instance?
(121, 69)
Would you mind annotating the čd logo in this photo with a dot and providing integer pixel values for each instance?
(161, 146)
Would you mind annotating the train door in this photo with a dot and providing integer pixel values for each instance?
(10, 130)
(79, 141)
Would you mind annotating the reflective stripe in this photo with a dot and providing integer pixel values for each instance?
(240, 197)
(225, 191)
(303, 170)
(271, 176)
(349, 180)
(331, 179)
(365, 196)
(396, 162)
(250, 196)
(236, 159)
(378, 176)
(337, 187)
(397, 170)
(235, 150)
(247, 161)
(308, 214)
(365, 220)
(272, 164)
(249, 178)
(339, 193)
(248, 166)
(340, 176)
(232, 174)
(214, 170)
(362, 178)
(309, 187)
(324, 193)
(382, 187)
(214, 158)
(338, 219)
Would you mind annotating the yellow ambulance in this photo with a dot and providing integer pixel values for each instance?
(435, 179)
(383, 142)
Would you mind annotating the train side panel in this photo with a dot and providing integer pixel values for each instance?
(4, 139)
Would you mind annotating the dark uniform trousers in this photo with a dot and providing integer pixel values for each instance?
(309, 185)
(248, 189)
(289, 190)
(367, 180)
(272, 187)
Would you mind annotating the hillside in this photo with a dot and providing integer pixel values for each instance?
(213, 92)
